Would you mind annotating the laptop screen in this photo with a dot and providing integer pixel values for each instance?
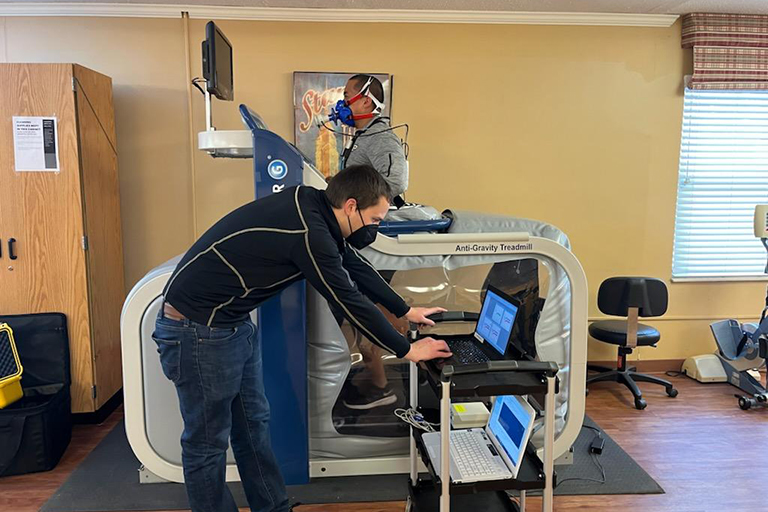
(496, 320)
(508, 423)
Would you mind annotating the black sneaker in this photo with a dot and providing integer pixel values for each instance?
(294, 506)
(374, 397)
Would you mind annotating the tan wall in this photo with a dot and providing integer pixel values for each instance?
(145, 58)
(577, 126)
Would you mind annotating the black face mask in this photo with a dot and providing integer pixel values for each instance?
(364, 236)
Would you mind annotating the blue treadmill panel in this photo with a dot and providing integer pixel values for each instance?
(282, 320)
(407, 227)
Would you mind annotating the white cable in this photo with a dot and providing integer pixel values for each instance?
(415, 419)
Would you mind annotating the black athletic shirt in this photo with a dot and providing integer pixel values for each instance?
(262, 247)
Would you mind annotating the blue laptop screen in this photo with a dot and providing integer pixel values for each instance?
(496, 320)
(508, 424)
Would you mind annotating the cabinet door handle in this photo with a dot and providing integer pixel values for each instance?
(1, 248)
(11, 246)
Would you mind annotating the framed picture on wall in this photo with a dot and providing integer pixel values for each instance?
(313, 96)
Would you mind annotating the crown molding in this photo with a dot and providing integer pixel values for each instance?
(131, 10)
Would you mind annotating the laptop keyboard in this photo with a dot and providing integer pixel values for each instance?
(470, 454)
(467, 352)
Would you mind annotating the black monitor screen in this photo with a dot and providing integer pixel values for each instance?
(217, 63)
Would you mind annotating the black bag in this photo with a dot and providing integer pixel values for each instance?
(36, 430)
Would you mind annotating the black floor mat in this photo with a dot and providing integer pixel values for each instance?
(107, 481)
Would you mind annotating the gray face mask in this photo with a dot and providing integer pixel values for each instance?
(364, 236)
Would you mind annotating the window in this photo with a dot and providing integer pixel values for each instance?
(723, 175)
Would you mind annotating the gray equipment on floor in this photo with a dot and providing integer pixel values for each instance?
(742, 348)
(742, 352)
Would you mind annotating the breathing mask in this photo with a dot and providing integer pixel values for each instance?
(342, 112)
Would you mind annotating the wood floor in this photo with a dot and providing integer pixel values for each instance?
(707, 454)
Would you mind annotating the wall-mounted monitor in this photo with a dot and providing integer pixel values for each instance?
(217, 63)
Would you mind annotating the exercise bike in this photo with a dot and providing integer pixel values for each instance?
(742, 348)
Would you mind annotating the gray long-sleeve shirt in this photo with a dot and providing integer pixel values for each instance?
(378, 146)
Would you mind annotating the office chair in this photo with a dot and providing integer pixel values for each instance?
(629, 297)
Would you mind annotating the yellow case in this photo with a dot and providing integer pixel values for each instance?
(10, 384)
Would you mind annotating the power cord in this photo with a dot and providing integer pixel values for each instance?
(595, 450)
(196, 81)
(322, 124)
(415, 419)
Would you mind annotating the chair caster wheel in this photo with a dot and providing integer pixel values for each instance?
(672, 392)
(744, 403)
(640, 404)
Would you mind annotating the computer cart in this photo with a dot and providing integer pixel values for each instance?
(493, 378)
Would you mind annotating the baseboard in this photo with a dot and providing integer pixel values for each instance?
(98, 417)
(649, 366)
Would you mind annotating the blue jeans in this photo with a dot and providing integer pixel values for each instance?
(218, 377)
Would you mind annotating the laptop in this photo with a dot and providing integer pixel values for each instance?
(493, 453)
(492, 333)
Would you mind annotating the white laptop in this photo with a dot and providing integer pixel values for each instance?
(493, 453)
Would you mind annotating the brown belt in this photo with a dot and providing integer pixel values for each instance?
(172, 313)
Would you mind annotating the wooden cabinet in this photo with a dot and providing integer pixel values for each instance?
(66, 225)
